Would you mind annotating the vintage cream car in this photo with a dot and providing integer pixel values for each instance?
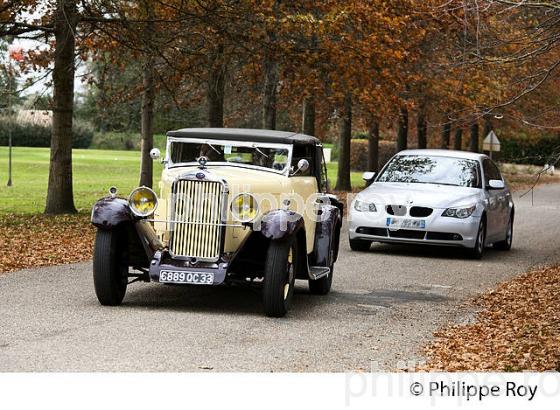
(235, 205)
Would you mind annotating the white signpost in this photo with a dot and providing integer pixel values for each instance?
(491, 143)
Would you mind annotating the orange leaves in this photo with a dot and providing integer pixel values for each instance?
(518, 329)
(40, 240)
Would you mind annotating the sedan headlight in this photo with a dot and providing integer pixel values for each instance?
(362, 206)
(142, 201)
(244, 207)
(461, 213)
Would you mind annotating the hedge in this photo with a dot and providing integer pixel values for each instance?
(520, 149)
(359, 154)
(34, 135)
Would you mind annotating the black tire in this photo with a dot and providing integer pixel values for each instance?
(505, 245)
(360, 245)
(109, 268)
(279, 277)
(478, 250)
(321, 286)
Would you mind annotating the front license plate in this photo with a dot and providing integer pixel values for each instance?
(195, 278)
(406, 223)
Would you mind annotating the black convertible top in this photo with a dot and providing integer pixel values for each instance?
(242, 134)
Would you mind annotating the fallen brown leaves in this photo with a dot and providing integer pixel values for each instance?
(518, 329)
(40, 240)
(524, 182)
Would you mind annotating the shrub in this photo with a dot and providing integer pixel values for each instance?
(116, 141)
(82, 134)
(37, 135)
(536, 150)
(359, 154)
(360, 135)
(127, 141)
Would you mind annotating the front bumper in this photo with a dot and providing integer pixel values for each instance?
(439, 230)
(162, 261)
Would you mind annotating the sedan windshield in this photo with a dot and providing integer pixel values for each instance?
(247, 154)
(419, 169)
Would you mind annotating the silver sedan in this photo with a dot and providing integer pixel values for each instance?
(439, 197)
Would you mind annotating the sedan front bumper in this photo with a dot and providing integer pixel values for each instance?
(439, 230)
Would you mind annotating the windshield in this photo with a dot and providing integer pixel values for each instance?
(420, 169)
(271, 156)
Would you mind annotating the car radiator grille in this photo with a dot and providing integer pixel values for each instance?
(197, 212)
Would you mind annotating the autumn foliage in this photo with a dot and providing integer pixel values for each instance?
(517, 329)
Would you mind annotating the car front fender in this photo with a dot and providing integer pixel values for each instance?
(109, 212)
(279, 224)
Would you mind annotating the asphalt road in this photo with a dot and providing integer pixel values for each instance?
(384, 306)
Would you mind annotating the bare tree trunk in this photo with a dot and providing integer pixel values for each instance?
(473, 146)
(216, 89)
(402, 132)
(344, 146)
(271, 70)
(458, 139)
(148, 101)
(271, 74)
(445, 135)
(60, 197)
(308, 116)
(422, 127)
(373, 145)
(488, 126)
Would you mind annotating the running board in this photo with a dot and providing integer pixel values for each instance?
(317, 272)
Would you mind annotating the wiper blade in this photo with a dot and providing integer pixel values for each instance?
(214, 148)
(260, 152)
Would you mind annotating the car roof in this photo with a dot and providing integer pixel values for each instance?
(444, 153)
(245, 134)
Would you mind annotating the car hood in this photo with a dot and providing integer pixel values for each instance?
(429, 195)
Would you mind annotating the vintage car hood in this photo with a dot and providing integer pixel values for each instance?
(238, 179)
(431, 195)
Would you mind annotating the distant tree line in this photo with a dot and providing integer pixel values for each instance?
(449, 68)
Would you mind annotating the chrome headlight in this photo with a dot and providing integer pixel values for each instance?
(362, 206)
(244, 207)
(461, 213)
(142, 201)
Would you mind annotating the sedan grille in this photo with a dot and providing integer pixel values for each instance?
(197, 215)
(420, 211)
(398, 210)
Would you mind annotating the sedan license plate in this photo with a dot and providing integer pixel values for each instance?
(406, 223)
(195, 278)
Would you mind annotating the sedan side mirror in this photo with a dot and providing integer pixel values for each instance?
(368, 176)
(155, 153)
(496, 184)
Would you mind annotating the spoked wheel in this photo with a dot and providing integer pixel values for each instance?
(505, 245)
(478, 250)
(110, 268)
(279, 277)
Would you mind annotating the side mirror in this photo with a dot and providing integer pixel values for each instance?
(368, 176)
(155, 153)
(302, 166)
(496, 184)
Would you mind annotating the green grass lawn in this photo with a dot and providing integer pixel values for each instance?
(94, 172)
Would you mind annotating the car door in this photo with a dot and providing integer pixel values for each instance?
(305, 186)
(504, 198)
(496, 199)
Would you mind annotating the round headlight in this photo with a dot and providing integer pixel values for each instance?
(142, 201)
(244, 207)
